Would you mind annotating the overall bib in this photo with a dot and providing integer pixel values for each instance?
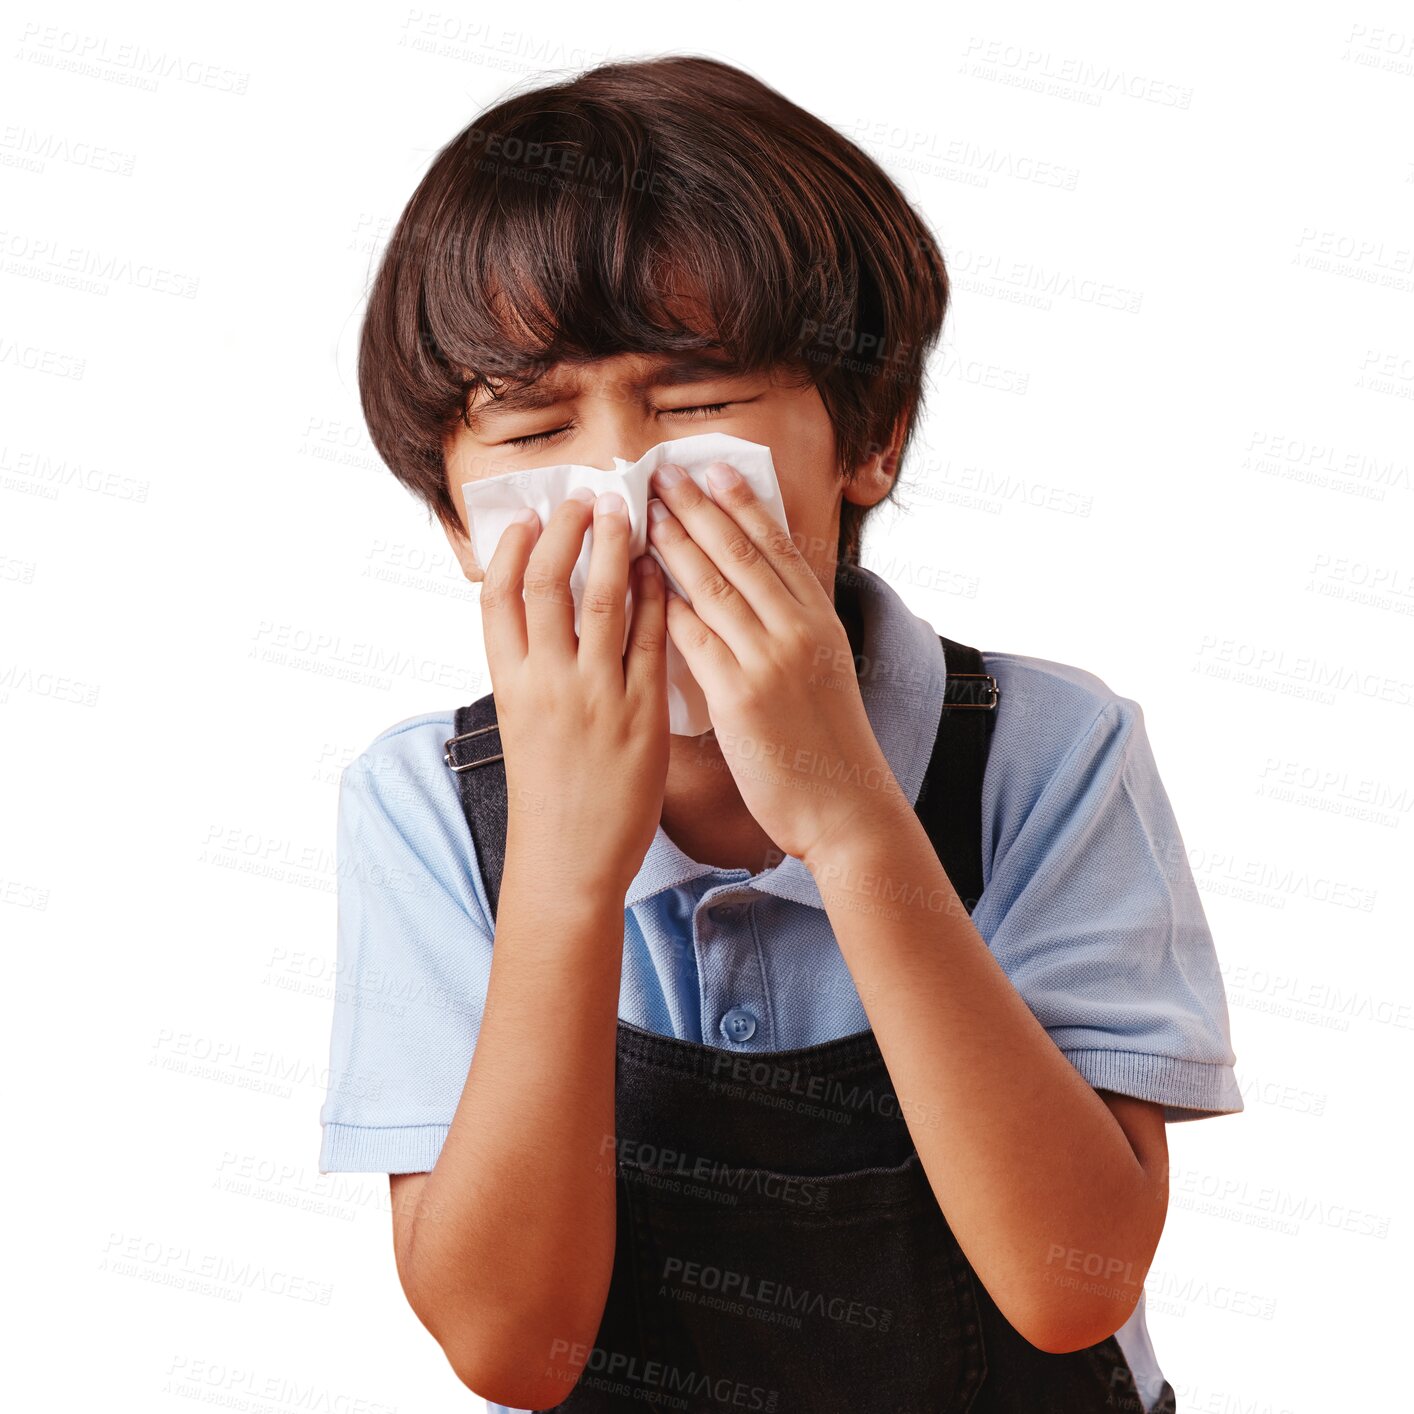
(778, 1245)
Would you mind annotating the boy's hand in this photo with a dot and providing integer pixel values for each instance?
(774, 661)
(584, 724)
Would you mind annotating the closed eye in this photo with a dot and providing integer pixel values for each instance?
(539, 438)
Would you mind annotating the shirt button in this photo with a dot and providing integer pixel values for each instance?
(727, 912)
(739, 1024)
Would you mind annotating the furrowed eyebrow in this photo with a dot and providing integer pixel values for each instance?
(687, 368)
(682, 369)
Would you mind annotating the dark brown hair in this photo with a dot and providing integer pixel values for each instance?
(571, 223)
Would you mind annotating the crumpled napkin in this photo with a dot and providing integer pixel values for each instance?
(494, 499)
(491, 501)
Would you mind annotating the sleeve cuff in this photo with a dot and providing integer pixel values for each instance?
(1186, 1089)
(354, 1148)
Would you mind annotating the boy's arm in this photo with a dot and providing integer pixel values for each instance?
(508, 1253)
(1034, 1169)
(505, 1248)
(1037, 1173)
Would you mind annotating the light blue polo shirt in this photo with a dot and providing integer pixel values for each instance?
(1089, 905)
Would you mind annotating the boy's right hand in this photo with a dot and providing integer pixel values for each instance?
(583, 724)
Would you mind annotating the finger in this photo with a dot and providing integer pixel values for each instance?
(646, 658)
(502, 608)
(549, 599)
(708, 659)
(716, 599)
(602, 608)
(745, 544)
(776, 543)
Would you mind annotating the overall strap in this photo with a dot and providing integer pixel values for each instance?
(481, 786)
(949, 801)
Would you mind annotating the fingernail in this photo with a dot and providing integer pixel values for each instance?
(657, 511)
(722, 476)
(668, 474)
(581, 493)
(610, 503)
(524, 516)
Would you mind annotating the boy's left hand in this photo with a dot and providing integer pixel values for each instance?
(774, 662)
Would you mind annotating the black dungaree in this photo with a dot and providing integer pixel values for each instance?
(778, 1245)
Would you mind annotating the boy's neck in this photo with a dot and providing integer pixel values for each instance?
(703, 812)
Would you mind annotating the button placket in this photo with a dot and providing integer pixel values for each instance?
(729, 968)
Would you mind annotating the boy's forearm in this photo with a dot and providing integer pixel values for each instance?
(512, 1249)
(1023, 1155)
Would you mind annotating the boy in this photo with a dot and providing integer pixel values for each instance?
(751, 1104)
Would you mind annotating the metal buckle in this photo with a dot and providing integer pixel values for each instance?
(975, 706)
(466, 736)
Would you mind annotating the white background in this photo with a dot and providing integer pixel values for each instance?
(1203, 497)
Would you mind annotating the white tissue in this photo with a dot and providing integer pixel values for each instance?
(493, 500)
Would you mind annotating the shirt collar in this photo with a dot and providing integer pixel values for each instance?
(902, 675)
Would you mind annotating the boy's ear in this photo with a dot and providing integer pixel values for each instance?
(875, 474)
(461, 548)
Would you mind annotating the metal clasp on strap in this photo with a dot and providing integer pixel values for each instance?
(974, 706)
(451, 742)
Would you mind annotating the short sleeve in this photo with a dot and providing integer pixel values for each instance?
(413, 959)
(1092, 911)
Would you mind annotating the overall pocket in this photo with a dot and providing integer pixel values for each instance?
(802, 1294)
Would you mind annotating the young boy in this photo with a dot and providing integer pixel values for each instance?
(755, 1102)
